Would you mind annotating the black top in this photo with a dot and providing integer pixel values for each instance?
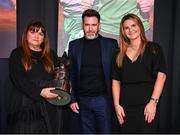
(138, 77)
(26, 102)
(26, 82)
(91, 74)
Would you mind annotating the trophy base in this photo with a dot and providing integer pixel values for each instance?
(63, 98)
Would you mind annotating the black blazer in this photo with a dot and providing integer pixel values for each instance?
(108, 47)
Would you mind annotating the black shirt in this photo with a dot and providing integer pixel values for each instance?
(26, 103)
(138, 77)
(91, 74)
(26, 81)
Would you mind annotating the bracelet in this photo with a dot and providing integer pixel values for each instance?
(155, 100)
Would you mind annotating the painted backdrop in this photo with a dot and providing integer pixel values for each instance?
(7, 27)
(111, 11)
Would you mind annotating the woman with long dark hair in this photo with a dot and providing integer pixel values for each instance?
(31, 67)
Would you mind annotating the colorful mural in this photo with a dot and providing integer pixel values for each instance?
(7, 27)
(111, 11)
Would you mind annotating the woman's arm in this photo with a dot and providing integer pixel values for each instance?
(150, 109)
(158, 87)
(116, 88)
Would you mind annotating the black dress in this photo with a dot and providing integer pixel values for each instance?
(137, 82)
(28, 111)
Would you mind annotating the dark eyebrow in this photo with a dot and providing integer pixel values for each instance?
(125, 27)
(134, 24)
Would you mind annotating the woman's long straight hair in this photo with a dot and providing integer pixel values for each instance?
(46, 53)
(124, 41)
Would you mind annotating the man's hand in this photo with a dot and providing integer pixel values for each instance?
(74, 107)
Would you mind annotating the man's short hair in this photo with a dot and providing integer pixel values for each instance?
(91, 13)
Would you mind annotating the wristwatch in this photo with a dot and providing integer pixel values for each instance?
(155, 100)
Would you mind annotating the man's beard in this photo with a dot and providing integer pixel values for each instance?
(91, 36)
